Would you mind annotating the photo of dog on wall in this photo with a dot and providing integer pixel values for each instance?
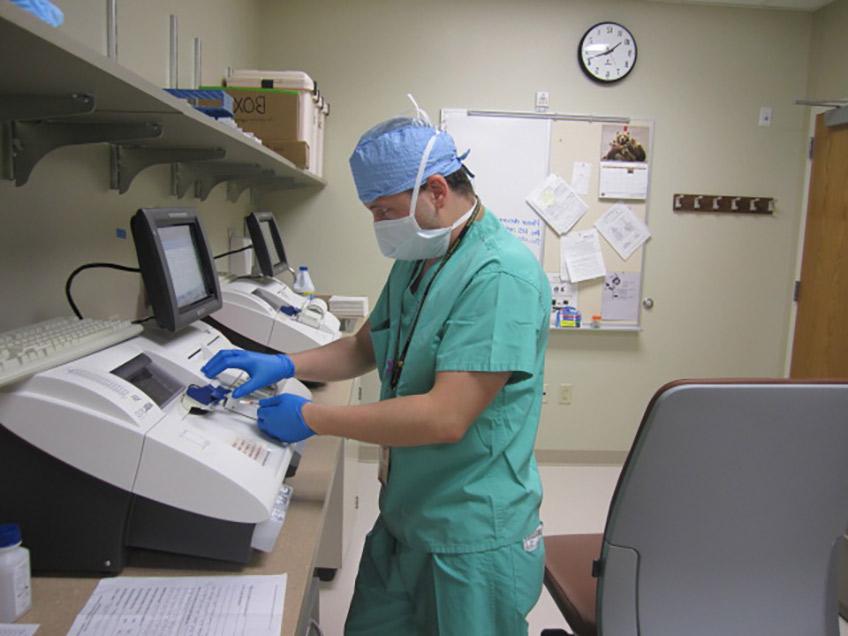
(624, 143)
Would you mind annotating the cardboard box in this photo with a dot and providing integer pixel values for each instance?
(295, 151)
(273, 115)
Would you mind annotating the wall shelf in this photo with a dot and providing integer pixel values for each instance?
(601, 329)
(42, 71)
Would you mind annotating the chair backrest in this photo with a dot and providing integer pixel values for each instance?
(728, 512)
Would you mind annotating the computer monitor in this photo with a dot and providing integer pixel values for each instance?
(176, 265)
(267, 244)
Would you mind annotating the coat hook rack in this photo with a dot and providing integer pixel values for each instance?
(722, 203)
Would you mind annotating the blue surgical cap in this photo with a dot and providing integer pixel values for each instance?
(386, 159)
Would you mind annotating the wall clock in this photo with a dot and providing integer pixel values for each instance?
(607, 52)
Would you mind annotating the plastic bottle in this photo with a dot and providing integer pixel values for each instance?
(303, 282)
(15, 583)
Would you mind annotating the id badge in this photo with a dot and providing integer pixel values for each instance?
(532, 542)
(383, 470)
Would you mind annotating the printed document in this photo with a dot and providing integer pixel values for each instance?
(184, 606)
(620, 296)
(562, 292)
(557, 203)
(580, 256)
(623, 180)
(581, 172)
(623, 229)
(22, 629)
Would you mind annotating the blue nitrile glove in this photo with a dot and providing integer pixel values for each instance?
(281, 416)
(263, 368)
(43, 9)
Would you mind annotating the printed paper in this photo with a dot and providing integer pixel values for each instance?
(580, 256)
(557, 203)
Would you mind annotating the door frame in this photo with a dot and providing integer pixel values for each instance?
(813, 111)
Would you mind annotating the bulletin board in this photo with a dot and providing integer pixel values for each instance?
(609, 161)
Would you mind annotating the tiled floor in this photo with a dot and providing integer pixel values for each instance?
(587, 489)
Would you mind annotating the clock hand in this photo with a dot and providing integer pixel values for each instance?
(592, 57)
(612, 49)
(607, 52)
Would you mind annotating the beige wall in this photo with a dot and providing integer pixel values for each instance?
(722, 286)
(828, 70)
(66, 215)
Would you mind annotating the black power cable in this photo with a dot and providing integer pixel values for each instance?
(241, 249)
(73, 274)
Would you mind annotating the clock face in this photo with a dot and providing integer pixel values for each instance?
(607, 52)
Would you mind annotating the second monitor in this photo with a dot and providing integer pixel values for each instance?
(268, 251)
(262, 313)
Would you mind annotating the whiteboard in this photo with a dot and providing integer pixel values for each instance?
(509, 157)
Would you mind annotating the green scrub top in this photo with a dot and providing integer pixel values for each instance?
(488, 310)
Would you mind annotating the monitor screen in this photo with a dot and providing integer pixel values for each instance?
(183, 263)
(265, 226)
(176, 265)
(268, 252)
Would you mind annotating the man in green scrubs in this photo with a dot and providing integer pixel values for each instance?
(458, 338)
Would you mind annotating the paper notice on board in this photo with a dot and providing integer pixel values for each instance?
(18, 629)
(557, 203)
(625, 151)
(581, 172)
(248, 604)
(580, 256)
(623, 181)
(620, 296)
(624, 230)
(562, 292)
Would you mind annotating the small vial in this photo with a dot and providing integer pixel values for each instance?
(303, 283)
(15, 583)
(596, 321)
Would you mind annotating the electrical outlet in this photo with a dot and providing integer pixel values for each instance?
(544, 393)
(565, 394)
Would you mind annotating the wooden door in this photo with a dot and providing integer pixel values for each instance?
(820, 346)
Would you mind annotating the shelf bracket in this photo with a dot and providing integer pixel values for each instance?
(35, 107)
(206, 176)
(128, 161)
(258, 190)
(210, 179)
(236, 187)
(32, 141)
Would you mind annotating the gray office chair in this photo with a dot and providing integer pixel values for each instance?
(726, 518)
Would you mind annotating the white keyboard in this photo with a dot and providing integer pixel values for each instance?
(47, 344)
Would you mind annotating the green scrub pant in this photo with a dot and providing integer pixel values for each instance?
(404, 591)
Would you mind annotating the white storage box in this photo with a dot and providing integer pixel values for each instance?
(313, 108)
(295, 80)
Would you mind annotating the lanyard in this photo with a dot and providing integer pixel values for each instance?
(396, 366)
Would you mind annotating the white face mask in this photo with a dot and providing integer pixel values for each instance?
(404, 239)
